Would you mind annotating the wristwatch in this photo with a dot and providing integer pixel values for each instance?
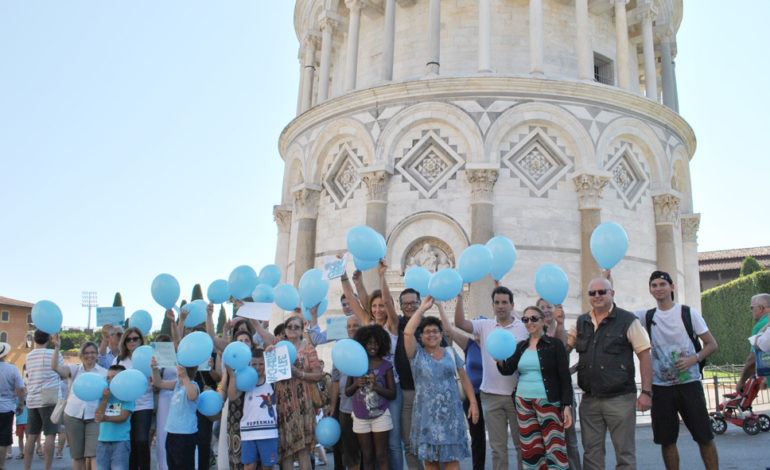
(647, 392)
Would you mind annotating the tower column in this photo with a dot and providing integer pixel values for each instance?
(485, 36)
(282, 217)
(306, 211)
(388, 44)
(482, 182)
(327, 30)
(666, 207)
(434, 40)
(621, 40)
(589, 191)
(308, 69)
(585, 64)
(376, 212)
(648, 12)
(535, 36)
(690, 223)
(351, 62)
(667, 74)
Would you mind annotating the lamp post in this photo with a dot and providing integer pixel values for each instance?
(89, 300)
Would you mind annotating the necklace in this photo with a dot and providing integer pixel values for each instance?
(436, 353)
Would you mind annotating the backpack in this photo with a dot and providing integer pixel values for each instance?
(687, 320)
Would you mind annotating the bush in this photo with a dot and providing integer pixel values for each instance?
(726, 311)
(750, 265)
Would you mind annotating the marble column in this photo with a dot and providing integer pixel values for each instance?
(351, 60)
(306, 214)
(690, 223)
(482, 182)
(584, 56)
(666, 207)
(648, 12)
(535, 36)
(434, 38)
(485, 36)
(621, 41)
(308, 70)
(376, 213)
(327, 31)
(282, 217)
(589, 191)
(388, 44)
(667, 73)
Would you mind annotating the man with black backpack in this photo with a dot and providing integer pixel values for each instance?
(676, 332)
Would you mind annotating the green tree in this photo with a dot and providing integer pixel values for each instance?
(197, 293)
(750, 265)
(118, 301)
(165, 327)
(221, 320)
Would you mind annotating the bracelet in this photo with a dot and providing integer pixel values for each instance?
(697, 355)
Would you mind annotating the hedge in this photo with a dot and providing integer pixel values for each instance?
(727, 314)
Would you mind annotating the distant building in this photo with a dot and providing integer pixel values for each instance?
(722, 266)
(15, 322)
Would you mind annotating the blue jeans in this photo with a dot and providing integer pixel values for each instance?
(112, 455)
(395, 451)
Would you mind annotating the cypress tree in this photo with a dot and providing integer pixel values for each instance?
(197, 293)
(221, 321)
(118, 301)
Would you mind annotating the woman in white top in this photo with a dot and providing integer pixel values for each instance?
(82, 431)
(141, 418)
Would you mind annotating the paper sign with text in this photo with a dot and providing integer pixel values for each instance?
(336, 328)
(114, 316)
(255, 310)
(334, 267)
(164, 354)
(277, 365)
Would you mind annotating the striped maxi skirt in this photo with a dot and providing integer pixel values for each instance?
(541, 428)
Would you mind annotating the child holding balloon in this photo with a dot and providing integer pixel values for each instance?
(371, 395)
(114, 445)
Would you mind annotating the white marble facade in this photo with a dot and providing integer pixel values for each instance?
(489, 124)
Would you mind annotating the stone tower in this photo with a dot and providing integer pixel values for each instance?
(444, 123)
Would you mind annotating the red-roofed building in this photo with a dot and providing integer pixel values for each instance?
(16, 328)
(722, 266)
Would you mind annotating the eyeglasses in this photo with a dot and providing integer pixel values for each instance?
(592, 293)
(131, 339)
(526, 320)
(410, 304)
(117, 333)
(293, 327)
(431, 332)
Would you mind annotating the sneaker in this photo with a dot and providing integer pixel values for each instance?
(20, 457)
(58, 455)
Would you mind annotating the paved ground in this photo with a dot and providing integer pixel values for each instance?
(737, 450)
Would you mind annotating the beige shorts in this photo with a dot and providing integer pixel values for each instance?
(381, 423)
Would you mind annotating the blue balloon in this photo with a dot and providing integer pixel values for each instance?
(165, 290)
(365, 243)
(312, 286)
(237, 355)
(89, 386)
(246, 379)
(194, 349)
(47, 316)
(128, 385)
(218, 292)
(270, 275)
(552, 284)
(197, 313)
(242, 281)
(474, 263)
(321, 309)
(503, 256)
(609, 244)
(290, 347)
(141, 319)
(418, 278)
(141, 358)
(263, 293)
(445, 284)
(209, 403)
(501, 344)
(327, 431)
(350, 358)
(286, 296)
(364, 265)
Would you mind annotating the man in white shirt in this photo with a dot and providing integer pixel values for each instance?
(496, 389)
(676, 385)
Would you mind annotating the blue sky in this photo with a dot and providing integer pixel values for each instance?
(141, 137)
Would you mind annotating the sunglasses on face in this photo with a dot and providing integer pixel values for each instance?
(592, 293)
(410, 304)
(526, 320)
(131, 339)
(293, 327)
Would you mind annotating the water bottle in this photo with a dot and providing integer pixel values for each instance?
(683, 376)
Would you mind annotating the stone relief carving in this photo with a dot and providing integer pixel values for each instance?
(342, 178)
(690, 224)
(628, 176)
(537, 161)
(589, 190)
(282, 217)
(430, 253)
(429, 163)
(482, 183)
(375, 182)
(306, 203)
(666, 208)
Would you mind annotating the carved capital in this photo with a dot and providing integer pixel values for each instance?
(690, 224)
(354, 4)
(482, 183)
(647, 11)
(282, 217)
(376, 185)
(619, 3)
(306, 203)
(666, 208)
(327, 23)
(589, 190)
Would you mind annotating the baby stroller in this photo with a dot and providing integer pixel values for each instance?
(737, 410)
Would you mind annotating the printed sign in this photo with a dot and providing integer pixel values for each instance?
(164, 354)
(336, 328)
(277, 365)
(255, 310)
(114, 316)
(334, 267)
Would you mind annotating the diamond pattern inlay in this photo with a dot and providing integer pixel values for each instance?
(342, 177)
(628, 177)
(429, 163)
(537, 161)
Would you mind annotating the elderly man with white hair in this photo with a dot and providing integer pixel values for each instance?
(760, 313)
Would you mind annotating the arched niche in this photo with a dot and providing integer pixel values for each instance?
(419, 228)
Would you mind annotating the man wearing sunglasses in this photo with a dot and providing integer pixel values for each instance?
(676, 381)
(606, 339)
(109, 348)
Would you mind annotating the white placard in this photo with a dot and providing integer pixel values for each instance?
(334, 267)
(277, 365)
(255, 310)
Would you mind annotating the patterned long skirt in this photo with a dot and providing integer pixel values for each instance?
(541, 429)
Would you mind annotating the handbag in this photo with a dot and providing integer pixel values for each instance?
(319, 392)
(49, 396)
(57, 415)
(763, 362)
(458, 382)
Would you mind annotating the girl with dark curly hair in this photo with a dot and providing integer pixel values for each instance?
(371, 394)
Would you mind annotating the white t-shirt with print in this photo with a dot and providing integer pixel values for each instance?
(260, 419)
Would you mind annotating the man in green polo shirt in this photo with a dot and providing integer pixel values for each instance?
(760, 311)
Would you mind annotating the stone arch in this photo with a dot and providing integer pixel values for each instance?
(550, 116)
(442, 113)
(680, 177)
(413, 229)
(294, 173)
(641, 135)
(335, 133)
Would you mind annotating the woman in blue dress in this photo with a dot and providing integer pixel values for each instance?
(438, 426)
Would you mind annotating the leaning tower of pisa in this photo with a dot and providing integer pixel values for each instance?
(444, 123)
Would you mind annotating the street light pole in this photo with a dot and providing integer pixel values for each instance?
(89, 300)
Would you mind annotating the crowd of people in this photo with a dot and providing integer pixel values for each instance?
(420, 405)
